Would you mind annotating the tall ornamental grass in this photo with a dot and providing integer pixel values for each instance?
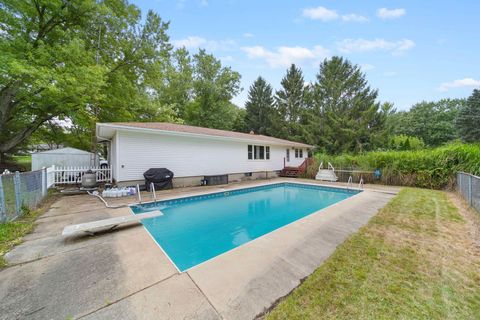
(427, 168)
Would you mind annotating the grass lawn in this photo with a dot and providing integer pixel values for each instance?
(11, 233)
(418, 258)
(23, 161)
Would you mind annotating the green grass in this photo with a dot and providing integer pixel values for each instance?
(414, 260)
(11, 233)
(23, 161)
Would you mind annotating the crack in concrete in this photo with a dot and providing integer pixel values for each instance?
(127, 296)
(203, 293)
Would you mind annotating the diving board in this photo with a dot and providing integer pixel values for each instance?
(91, 227)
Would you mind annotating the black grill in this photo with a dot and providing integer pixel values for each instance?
(160, 177)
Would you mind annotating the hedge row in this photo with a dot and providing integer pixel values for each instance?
(428, 168)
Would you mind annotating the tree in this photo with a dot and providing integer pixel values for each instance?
(468, 120)
(174, 89)
(432, 122)
(290, 104)
(80, 59)
(213, 88)
(403, 142)
(240, 124)
(346, 116)
(259, 107)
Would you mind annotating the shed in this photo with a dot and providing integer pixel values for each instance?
(64, 157)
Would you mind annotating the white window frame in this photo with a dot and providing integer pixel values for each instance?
(298, 153)
(256, 151)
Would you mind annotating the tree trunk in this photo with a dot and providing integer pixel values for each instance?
(24, 134)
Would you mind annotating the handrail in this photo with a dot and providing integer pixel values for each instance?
(349, 183)
(138, 193)
(360, 185)
(330, 166)
(152, 187)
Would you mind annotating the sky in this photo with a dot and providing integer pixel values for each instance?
(409, 50)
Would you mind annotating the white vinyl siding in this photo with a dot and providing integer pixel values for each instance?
(187, 156)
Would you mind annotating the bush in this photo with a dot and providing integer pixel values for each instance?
(428, 168)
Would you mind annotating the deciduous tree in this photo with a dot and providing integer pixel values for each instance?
(213, 87)
(80, 59)
(433, 122)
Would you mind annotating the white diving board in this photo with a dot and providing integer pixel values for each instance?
(91, 227)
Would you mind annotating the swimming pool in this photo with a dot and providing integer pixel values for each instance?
(198, 228)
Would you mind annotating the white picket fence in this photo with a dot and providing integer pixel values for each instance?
(73, 175)
(50, 177)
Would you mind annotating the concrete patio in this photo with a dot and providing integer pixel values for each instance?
(123, 274)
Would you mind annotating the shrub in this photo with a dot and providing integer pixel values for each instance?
(427, 168)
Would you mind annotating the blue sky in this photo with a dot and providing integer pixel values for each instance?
(410, 50)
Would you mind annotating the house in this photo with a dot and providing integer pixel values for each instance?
(194, 152)
(63, 157)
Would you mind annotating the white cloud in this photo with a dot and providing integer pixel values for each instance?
(459, 83)
(248, 35)
(195, 42)
(352, 17)
(384, 13)
(325, 15)
(320, 13)
(285, 56)
(363, 45)
(190, 42)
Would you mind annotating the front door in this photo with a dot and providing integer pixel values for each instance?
(288, 155)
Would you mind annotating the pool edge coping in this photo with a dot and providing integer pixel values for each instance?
(361, 191)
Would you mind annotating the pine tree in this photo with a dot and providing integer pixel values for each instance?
(259, 107)
(290, 104)
(346, 115)
(468, 119)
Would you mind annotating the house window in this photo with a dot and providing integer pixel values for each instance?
(288, 155)
(298, 153)
(258, 152)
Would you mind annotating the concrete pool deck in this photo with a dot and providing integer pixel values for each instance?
(123, 274)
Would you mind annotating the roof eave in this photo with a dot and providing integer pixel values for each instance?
(190, 134)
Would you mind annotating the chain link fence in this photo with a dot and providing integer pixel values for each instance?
(20, 192)
(468, 186)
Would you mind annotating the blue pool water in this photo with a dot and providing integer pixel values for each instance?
(195, 229)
